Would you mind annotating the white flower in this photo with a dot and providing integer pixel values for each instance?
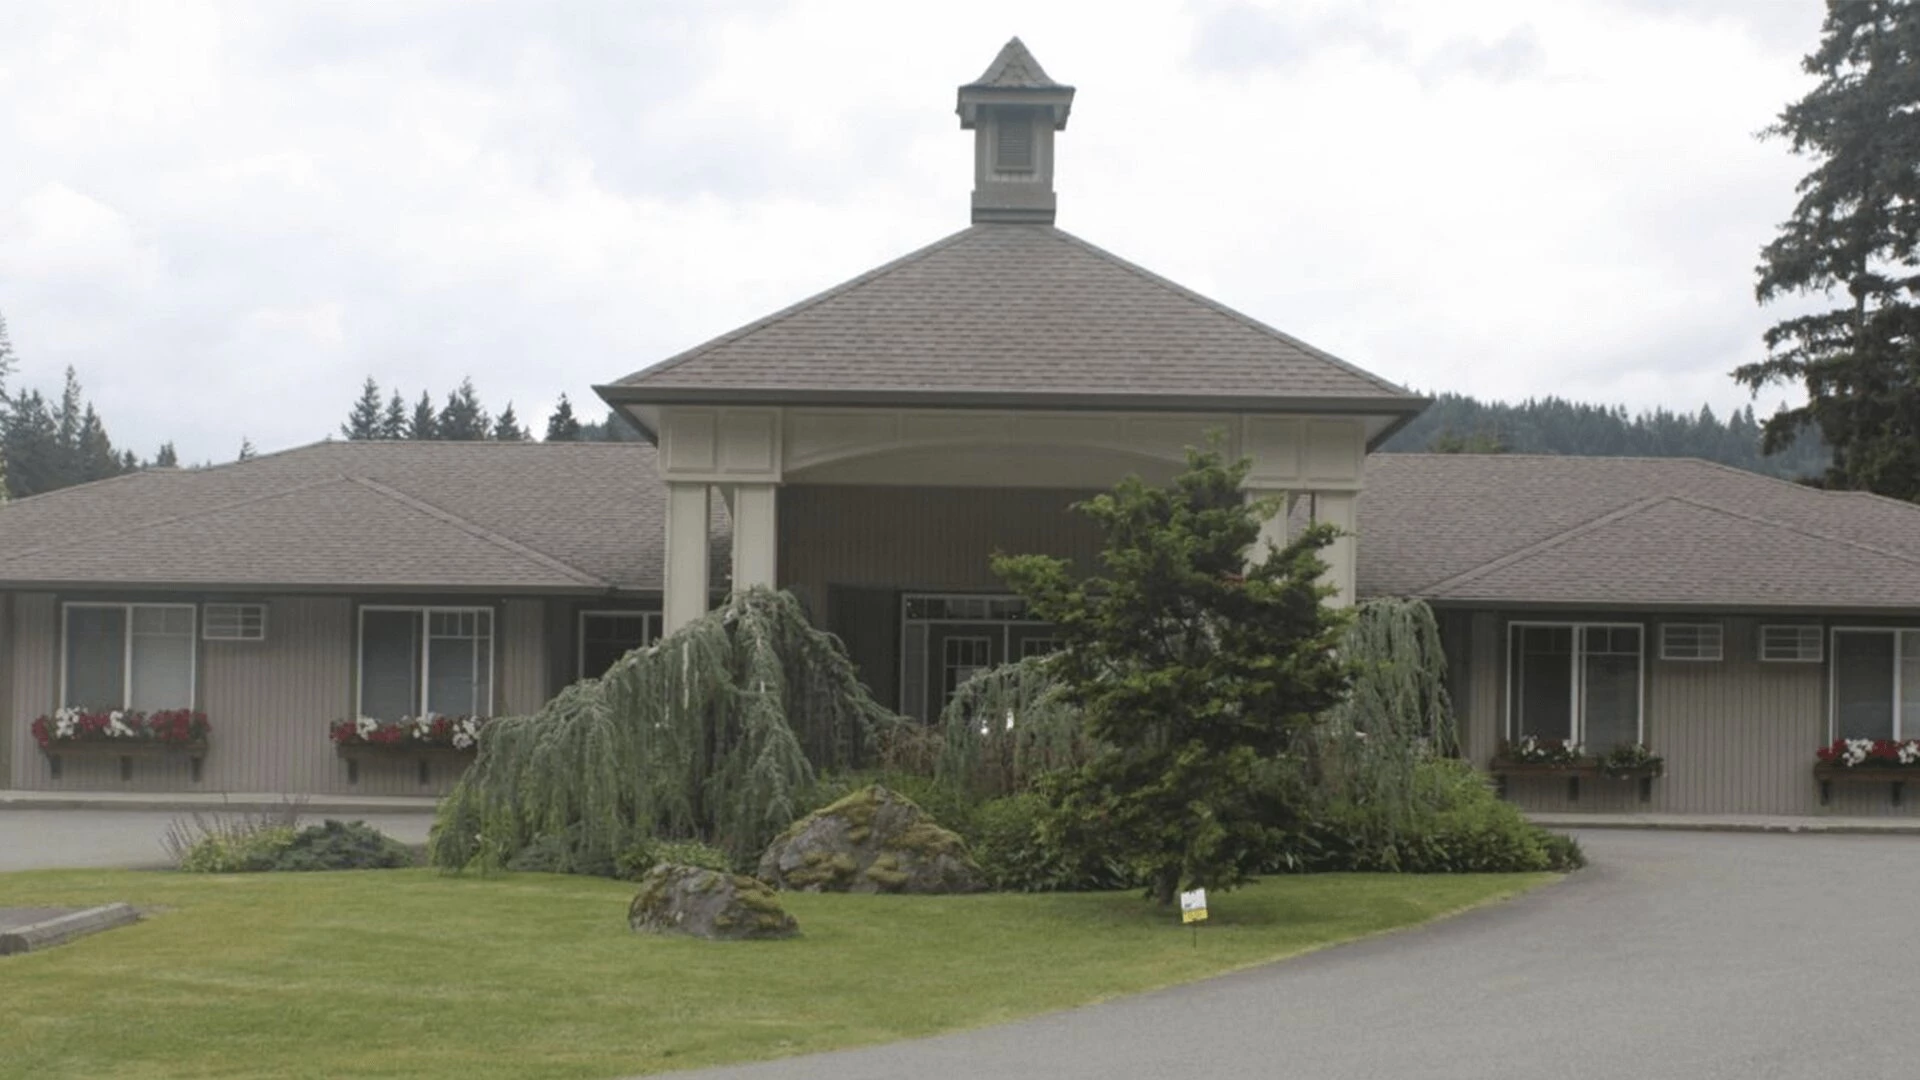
(116, 727)
(366, 726)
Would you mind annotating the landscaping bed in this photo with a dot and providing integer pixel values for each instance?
(408, 973)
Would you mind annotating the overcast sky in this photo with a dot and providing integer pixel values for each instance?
(225, 215)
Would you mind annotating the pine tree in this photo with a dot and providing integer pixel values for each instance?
(68, 469)
(562, 426)
(393, 423)
(507, 427)
(247, 451)
(425, 423)
(129, 462)
(1198, 663)
(166, 458)
(363, 422)
(462, 418)
(95, 459)
(1855, 231)
(32, 441)
(8, 361)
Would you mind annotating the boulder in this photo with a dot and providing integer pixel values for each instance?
(872, 841)
(691, 900)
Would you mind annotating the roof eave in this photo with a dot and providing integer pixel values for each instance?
(1403, 408)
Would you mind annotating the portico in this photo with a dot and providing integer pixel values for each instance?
(883, 439)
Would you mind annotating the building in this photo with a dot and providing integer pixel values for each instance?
(869, 448)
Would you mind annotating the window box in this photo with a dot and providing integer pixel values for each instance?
(423, 740)
(1530, 757)
(1868, 761)
(124, 734)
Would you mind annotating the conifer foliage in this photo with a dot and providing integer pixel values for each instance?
(1855, 232)
(706, 735)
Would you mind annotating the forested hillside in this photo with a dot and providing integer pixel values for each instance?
(1460, 424)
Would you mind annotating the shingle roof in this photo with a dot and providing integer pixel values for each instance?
(1013, 68)
(549, 517)
(1016, 314)
(1516, 529)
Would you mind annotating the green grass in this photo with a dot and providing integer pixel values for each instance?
(406, 973)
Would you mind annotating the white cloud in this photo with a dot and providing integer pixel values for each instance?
(226, 214)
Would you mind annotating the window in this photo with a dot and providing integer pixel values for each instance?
(606, 636)
(1790, 644)
(962, 659)
(1038, 646)
(128, 656)
(234, 622)
(415, 661)
(1876, 684)
(946, 637)
(1690, 641)
(1577, 682)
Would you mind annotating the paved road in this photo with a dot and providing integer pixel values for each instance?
(45, 839)
(1692, 956)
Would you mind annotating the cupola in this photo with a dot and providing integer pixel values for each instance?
(1013, 110)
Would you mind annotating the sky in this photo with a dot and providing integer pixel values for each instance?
(225, 216)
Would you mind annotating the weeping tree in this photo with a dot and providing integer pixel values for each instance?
(1006, 727)
(706, 735)
(1396, 715)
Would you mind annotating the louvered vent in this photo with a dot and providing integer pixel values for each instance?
(1014, 150)
(234, 622)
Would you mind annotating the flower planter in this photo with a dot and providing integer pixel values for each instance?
(422, 756)
(126, 750)
(1575, 771)
(1894, 776)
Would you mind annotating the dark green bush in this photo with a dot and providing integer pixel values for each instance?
(237, 851)
(342, 845)
(1456, 825)
(1023, 846)
(634, 863)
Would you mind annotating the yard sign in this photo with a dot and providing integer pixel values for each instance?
(1193, 906)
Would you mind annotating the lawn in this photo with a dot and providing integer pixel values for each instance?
(407, 973)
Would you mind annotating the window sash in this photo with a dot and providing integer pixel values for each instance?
(1692, 641)
(1581, 682)
(1790, 644)
(134, 656)
(1875, 684)
(436, 660)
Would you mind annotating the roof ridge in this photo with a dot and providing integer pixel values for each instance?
(175, 519)
(479, 531)
(765, 321)
(1795, 527)
(1530, 550)
(1216, 306)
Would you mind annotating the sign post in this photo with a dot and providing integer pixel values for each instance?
(1193, 910)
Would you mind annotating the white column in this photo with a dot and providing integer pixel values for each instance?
(688, 511)
(1273, 531)
(755, 535)
(1336, 508)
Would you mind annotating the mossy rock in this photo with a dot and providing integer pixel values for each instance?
(711, 904)
(872, 841)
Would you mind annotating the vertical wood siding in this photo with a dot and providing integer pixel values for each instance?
(524, 659)
(269, 702)
(931, 539)
(30, 640)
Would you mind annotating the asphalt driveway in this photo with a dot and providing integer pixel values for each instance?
(48, 839)
(1685, 955)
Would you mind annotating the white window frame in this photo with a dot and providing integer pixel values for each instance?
(126, 645)
(1710, 642)
(987, 624)
(656, 629)
(426, 613)
(1579, 680)
(212, 611)
(1833, 675)
(1802, 631)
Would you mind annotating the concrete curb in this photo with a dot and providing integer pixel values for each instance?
(64, 928)
(1812, 826)
(250, 804)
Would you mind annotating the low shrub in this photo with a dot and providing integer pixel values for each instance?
(237, 851)
(635, 862)
(1455, 824)
(948, 807)
(1022, 845)
(338, 845)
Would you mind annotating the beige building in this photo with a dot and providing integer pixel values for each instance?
(869, 448)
